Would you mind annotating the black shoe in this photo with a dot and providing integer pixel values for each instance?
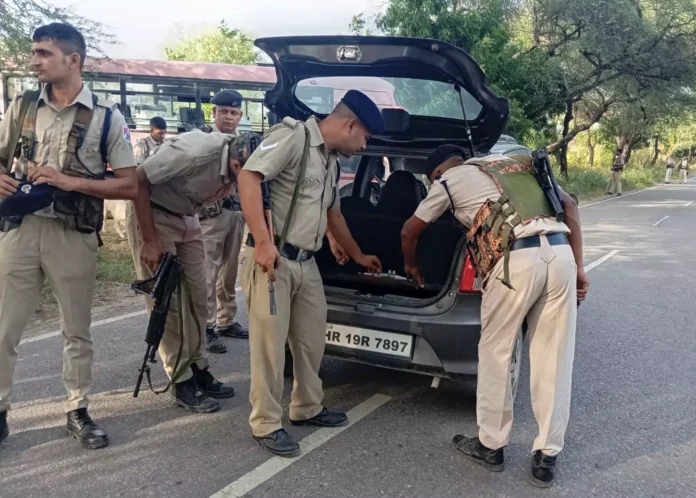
(608, 193)
(543, 470)
(4, 428)
(210, 385)
(279, 443)
(235, 330)
(493, 460)
(324, 419)
(188, 395)
(213, 342)
(81, 427)
(618, 195)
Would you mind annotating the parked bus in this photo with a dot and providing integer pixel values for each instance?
(178, 91)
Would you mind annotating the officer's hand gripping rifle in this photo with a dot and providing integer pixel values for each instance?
(544, 175)
(160, 288)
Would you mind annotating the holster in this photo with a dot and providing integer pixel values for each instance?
(10, 223)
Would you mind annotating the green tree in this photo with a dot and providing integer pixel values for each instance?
(19, 19)
(223, 45)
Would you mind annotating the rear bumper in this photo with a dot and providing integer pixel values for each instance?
(446, 335)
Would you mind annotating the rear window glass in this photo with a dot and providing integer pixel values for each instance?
(418, 97)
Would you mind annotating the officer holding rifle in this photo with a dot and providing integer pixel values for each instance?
(299, 159)
(188, 172)
(527, 248)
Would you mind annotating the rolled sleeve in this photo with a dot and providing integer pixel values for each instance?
(120, 150)
(434, 205)
(171, 161)
(279, 150)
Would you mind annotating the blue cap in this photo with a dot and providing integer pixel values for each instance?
(28, 199)
(229, 98)
(366, 110)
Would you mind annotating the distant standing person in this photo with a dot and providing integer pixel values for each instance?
(617, 167)
(684, 170)
(149, 145)
(670, 168)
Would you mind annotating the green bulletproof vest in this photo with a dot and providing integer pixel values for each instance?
(521, 201)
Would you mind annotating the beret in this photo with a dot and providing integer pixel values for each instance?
(366, 110)
(229, 98)
(442, 154)
(28, 199)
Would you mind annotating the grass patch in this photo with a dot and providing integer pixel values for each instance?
(591, 181)
(114, 263)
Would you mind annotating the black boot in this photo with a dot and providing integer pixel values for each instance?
(213, 342)
(543, 470)
(210, 385)
(325, 418)
(188, 395)
(81, 427)
(493, 460)
(279, 443)
(235, 330)
(4, 428)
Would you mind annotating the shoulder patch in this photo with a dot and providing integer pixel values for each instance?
(126, 134)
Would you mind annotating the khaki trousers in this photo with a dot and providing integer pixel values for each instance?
(668, 175)
(180, 235)
(222, 237)
(683, 176)
(615, 183)
(42, 248)
(545, 282)
(301, 321)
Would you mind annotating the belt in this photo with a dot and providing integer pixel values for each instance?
(159, 207)
(230, 205)
(288, 251)
(555, 239)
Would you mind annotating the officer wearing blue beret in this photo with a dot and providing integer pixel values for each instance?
(292, 152)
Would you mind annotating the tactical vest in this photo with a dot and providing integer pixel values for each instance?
(521, 201)
(78, 211)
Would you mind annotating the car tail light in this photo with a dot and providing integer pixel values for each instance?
(468, 282)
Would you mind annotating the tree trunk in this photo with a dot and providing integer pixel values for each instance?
(656, 152)
(563, 159)
(590, 146)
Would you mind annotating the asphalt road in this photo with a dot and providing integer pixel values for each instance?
(632, 430)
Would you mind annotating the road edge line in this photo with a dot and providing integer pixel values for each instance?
(601, 260)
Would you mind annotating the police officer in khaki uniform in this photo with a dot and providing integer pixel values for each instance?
(59, 242)
(189, 171)
(223, 230)
(617, 168)
(147, 146)
(543, 281)
(300, 314)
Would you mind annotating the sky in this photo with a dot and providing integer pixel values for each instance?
(143, 27)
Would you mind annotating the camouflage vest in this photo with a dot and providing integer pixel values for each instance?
(78, 211)
(521, 201)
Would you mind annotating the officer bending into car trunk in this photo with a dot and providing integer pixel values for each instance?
(532, 268)
(65, 138)
(298, 291)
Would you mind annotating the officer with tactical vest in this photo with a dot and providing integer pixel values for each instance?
(223, 231)
(299, 159)
(188, 172)
(147, 146)
(617, 167)
(52, 211)
(531, 266)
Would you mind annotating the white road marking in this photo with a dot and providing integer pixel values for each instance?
(688, 204)
(663, 219)
(615, 198)
(94, 324)
(270, 468)
(601, 260)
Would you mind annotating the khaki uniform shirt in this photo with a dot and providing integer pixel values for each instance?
(145, 148)
(53, 126)
(470, 189)
(189, 171)
(278, 160)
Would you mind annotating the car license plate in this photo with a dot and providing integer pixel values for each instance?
(374, 341)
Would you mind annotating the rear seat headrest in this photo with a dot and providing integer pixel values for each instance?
(396, 120)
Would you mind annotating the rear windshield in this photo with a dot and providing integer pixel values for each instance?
(418, 97)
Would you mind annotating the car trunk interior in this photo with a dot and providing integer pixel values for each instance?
(377, 230)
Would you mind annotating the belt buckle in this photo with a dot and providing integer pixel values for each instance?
(301, 255)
